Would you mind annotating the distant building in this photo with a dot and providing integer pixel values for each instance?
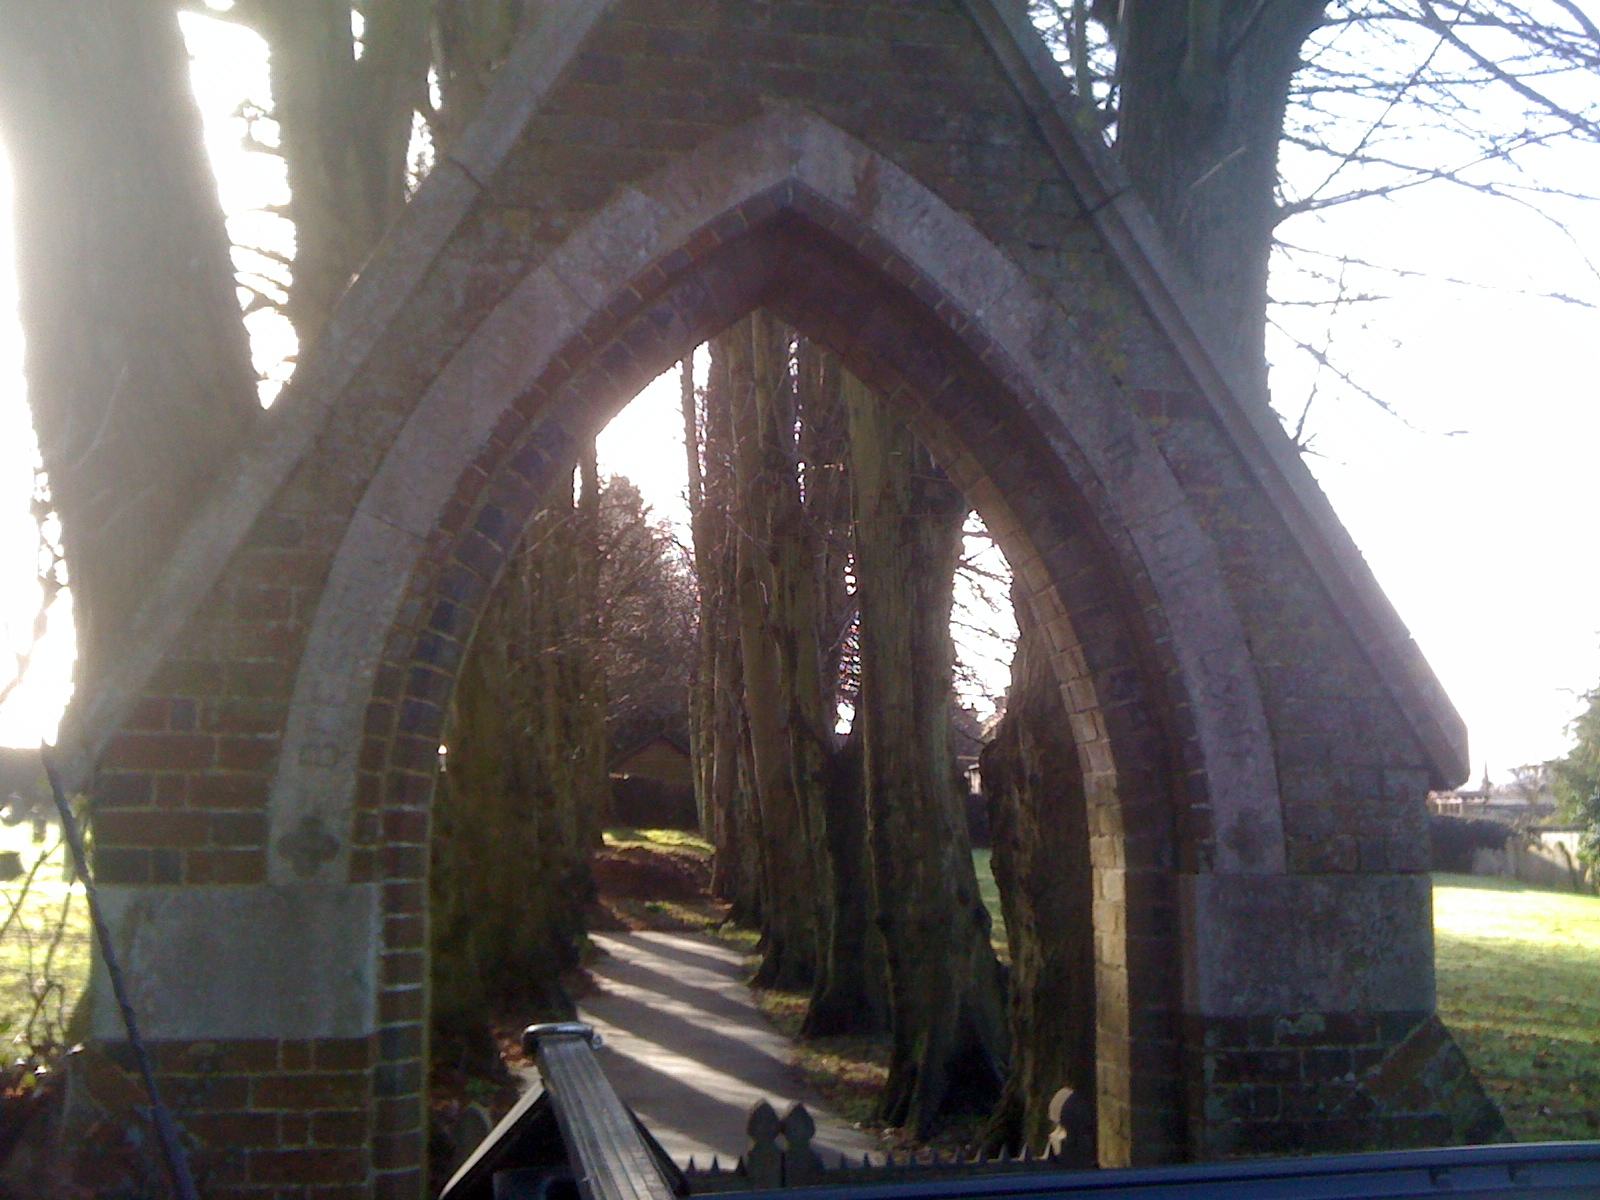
(660, 757)
(1524, 800)
(652, 784)
(967, 739)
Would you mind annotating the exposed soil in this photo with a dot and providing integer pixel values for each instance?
(654, 887)
(643, 872)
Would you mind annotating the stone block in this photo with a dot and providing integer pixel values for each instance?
(216, 963)
(1289, 944)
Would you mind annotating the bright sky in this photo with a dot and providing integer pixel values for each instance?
(1483, 539)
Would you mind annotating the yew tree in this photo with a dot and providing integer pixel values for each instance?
(946, 992)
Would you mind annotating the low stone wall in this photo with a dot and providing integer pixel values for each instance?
(1542, 859)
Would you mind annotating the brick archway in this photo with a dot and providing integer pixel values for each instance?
(993, 409)
(264, 772)
(795, 265)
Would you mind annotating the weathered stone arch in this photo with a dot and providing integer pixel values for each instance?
(265, 760)
(809, 256)
(771, 175)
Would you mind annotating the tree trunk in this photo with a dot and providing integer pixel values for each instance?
(1039, 829)
(945, 986)
(525, 787)
(720, 764)
(851, 991)
(736, 827)
(138, 368)
(1204, 87)
(586, 719)
(471, 38)
(701, 722)
(773, 619)
(344, 128)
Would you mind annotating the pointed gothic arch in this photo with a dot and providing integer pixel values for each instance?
(285, 711)
(774, 240)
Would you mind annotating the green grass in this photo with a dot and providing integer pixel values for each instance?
(989, 893)
(41, 975)
(1519, 986)
(681, 840)
(849, 1071)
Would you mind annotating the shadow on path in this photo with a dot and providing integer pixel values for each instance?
(688, 1050)
(697, 952)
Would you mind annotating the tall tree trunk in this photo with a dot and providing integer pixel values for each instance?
(701, 722)
(1204, 87)
(138, 367)
(720, 766)
(851, 991)
(471, 38)
(947, 995)
(736, 821)
(586, 720)
(769, 631)
(1039, 828)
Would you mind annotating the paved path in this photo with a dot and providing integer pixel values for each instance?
(687, 1048)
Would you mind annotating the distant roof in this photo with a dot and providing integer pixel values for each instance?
(643, 743)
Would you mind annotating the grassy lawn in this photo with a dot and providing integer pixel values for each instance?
(989, 893)
(41, 974)
(682, 841)
(1519, 985)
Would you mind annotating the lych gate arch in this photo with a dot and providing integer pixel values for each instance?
(781, 254)
(1242, 699)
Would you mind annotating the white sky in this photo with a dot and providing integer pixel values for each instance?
(1482, 540)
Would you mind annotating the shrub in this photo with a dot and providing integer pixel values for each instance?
(1452, 840)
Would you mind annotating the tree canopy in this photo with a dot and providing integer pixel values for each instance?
(1577, 777)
